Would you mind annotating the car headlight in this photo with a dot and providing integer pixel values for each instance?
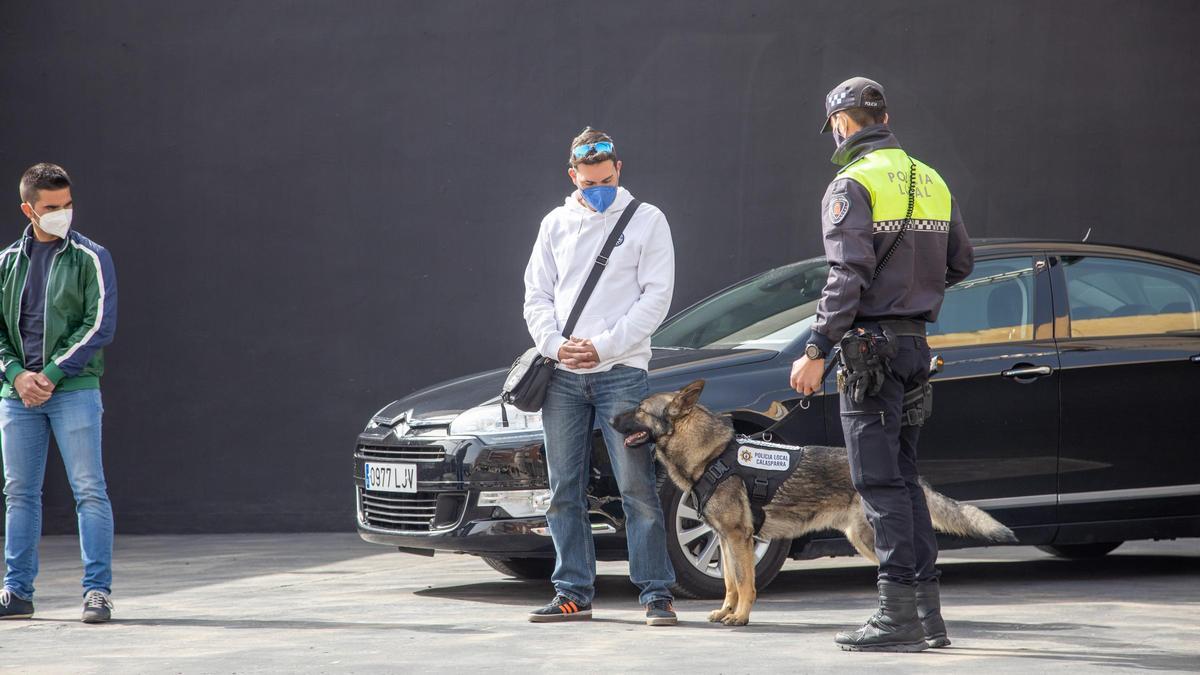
(518, 503)
(488, 422)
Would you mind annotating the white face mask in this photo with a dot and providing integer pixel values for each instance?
(56, 223)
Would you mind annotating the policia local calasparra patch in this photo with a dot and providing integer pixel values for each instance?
(760, 458)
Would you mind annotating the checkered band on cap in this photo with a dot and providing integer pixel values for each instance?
(837, 98)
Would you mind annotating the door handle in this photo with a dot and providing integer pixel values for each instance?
(1025, 372)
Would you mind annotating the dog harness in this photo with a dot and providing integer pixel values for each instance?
(761, 465)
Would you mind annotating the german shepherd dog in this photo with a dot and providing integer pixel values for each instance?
(818, 495)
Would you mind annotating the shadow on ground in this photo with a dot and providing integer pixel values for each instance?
(809, 592)
(825, 586)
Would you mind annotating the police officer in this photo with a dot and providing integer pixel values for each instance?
(895, 240)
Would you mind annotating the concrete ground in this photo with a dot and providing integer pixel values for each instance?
(331, 603)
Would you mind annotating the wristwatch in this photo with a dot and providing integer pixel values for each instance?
(814, 352)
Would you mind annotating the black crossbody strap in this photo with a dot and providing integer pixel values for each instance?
(598, 267)
(912, 197)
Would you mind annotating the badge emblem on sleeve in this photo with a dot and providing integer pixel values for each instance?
(839, 206)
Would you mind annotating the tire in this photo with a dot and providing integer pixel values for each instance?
(522, 568)
(682, 523)
(1081, 551)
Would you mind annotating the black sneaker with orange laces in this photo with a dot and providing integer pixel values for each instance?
(660, 612)
(562, 609)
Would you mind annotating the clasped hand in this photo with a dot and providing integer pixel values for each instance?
(33, 388)
(579, 354)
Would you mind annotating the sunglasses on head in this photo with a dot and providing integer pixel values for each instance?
(588, 148)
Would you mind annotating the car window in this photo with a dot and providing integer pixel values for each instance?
(1112, 297)
(766, 312)
(993, 305)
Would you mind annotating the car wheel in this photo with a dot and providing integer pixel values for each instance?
(695, 550)
(522, 568)
(1081, 551)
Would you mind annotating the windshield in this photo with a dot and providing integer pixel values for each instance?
(766, 312)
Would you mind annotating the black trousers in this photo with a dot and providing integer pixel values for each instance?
(883, 467)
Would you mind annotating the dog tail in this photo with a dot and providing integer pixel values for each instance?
(964, 520)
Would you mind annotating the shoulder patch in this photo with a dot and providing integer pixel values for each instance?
(839, 206)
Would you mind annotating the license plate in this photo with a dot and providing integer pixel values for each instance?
(390, 477)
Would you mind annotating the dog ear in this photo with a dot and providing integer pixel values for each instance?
(685, 399)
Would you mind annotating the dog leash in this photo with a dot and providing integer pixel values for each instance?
(805, 402)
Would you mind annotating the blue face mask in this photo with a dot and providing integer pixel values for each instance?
(599, 197)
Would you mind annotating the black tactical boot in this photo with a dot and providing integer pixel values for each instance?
(893, 628)
(929, 610)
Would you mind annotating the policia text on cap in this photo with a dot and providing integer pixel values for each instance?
(895, 240)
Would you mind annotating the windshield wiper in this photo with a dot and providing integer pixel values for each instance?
(674, 349)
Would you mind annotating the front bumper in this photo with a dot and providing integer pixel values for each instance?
(512, 537)
(444, 514)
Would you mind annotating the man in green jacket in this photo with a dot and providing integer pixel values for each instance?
(58, 309)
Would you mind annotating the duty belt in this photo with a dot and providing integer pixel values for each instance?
(866, 350)
(898, 327)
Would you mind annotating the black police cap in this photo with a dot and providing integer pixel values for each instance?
(849, 94)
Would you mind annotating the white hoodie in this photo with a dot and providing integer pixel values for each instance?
(632, 296)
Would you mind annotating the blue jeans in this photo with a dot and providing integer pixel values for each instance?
(575, 404)
(74, 417)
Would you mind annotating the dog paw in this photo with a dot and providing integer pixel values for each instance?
(717, 614)
(735, 620)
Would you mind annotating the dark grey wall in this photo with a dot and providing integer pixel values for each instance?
(317, 207)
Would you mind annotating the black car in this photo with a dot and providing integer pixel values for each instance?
(1066, 407)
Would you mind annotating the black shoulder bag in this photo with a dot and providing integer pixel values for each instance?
(527, 381)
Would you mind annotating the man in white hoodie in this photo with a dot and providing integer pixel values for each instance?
(601, 372)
